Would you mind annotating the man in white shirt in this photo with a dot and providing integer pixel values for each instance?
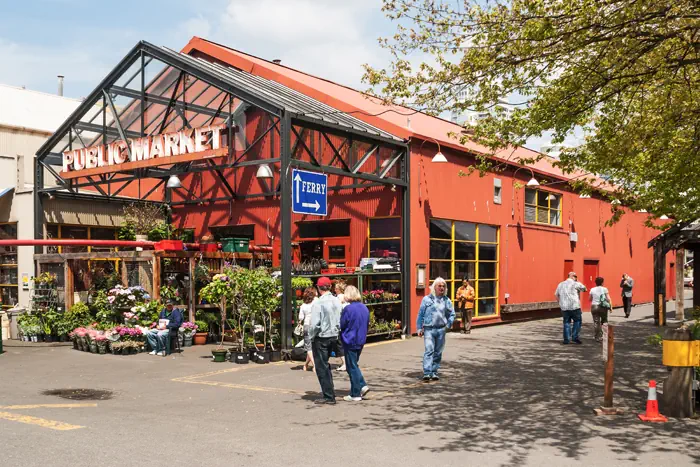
(570, 303)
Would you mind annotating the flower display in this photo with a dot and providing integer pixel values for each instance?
(188, 327)
(168, 292)
(126, 297)
(127, 333)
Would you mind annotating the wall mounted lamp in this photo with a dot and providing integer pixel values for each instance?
(532, 182)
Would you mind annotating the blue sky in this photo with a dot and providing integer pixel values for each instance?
(84, 39)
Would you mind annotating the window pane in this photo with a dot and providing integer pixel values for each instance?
(320, 229)
(99, 233)
(440, 269)
(487, 233)
(8, 231)
(440, 228)
(486, 307)
(554, 217)
(440, 250)
(465, 271)
(465, 231)
(385, 228)
(542, 199)
(530, 196)
(385, 248)
(487, 252)
(465, 251)
(51, 231)
(487, 270)
(530, 213)
(554, 201)
(543, 215)
(336, 252)
(74, 232)
(487, 288)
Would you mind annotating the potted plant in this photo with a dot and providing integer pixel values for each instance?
(143, 217)
(200, 337)
(169, 292)
(101, 343)
(221, 290)
(299, 284)
(116, 347)
(260, 294)
(188, 329)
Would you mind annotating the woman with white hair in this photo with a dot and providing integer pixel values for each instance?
(435, 316)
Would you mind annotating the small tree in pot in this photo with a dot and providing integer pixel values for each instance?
(223, 291)
(143, 217)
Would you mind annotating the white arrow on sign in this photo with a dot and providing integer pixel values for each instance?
(297, 179)
(312, 205)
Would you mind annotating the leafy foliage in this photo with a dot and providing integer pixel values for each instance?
(144, 217)
(627, 72)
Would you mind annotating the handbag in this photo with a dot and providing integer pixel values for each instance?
(604, 303)
(299, 330)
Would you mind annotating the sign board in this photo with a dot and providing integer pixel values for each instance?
(25, 281)
(168, 148)
(309, 193)
(605, 342)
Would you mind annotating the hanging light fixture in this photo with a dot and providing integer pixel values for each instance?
(174, 182)
(664, 217)
(584, 196)
(615, 201)
(264, 171)
(439, 157)
(533, 182)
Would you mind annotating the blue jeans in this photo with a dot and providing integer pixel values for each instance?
(434, 339)
(569, 332)
(156, 339)
(357, 381)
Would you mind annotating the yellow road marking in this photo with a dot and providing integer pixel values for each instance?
(374, 344)
(47, 406)
(182, 379)
(52, 424)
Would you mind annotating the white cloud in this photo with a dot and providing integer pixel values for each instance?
(330, 39)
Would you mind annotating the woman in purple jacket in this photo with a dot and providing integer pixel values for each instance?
(354, 322)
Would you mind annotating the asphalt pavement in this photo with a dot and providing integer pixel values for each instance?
(510, 395)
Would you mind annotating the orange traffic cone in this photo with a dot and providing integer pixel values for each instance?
(652, 414)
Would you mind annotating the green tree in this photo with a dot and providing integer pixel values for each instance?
(625, 71)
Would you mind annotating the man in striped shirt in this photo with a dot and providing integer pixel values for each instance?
(570, 303)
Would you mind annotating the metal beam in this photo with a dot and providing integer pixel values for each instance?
(343, 173)
(171, 102)
(115, 115)
(223, 180)
(407, 267)
(343, 131)
(154, 98)
(364, 159)
(336, 151)
(301, 141)
(110, 131)
(286, 228)
(391, 164)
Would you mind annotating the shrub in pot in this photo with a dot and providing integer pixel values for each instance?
(222, 290)
(188, 330)
(200, 337)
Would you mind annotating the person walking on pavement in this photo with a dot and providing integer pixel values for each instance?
(626, 284)
(600, 305)
(435, 316)
(465, 304)
(567, 294)
(305, 317)
(340, 295)
(354, 322)
(323, 331)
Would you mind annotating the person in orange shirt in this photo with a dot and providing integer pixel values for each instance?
(465, 303)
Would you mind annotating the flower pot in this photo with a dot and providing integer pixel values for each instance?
(219, 355)
(240, 357)
(251, 353)
(48, 338)
(62, 338)
(262, 356)
(93, 348)
(275, 355)
(141, 238)
(35, 338)
(188, 340)
(101, 350)
(75, 344)
(200, 338)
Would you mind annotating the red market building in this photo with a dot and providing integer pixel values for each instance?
(397, 183)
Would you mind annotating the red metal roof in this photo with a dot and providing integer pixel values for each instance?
(400, 121)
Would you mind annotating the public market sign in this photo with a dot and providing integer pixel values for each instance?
(309, 193)
(168, 148)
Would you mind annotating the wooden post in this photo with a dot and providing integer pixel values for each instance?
(680, 300)
(68, 283)
(609, 368)
(609, 356)
(677, 396)
(192, 300)
(156, 277)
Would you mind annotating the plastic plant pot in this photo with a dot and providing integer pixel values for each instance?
(219, 355)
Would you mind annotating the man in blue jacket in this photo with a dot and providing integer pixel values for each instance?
(169, 321)
(353, 332)
(435, 317)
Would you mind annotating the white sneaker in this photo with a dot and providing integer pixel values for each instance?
(161, 353)
(152, 353)
(352, 399)
(341, 368)
(364, 391)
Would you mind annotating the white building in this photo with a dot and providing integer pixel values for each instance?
(27, 119)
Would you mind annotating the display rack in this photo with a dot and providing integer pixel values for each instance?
(9, 283)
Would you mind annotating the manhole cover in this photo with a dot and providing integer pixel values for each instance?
(80, 394)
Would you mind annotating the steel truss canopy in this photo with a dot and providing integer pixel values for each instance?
(155, 93)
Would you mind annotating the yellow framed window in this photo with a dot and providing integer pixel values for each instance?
(542, 207)
(384, 237)
(466, 250)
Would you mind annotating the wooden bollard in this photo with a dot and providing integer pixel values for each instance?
(681, 356)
